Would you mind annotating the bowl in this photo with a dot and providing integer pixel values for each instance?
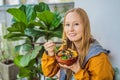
(66, 57)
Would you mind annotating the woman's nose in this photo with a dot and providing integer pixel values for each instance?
(71, 28)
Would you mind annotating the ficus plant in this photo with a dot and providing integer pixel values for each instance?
(29, 23)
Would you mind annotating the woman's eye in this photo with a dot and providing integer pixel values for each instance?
(76, 24)
(67, 24)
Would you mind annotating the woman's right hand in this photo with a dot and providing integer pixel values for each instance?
(50, 48)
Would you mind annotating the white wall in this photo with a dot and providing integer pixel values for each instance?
(105, 24)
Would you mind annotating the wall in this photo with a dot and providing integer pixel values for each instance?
(105, 24)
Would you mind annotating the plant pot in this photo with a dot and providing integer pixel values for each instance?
(8, 71)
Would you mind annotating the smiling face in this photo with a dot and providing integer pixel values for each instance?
(73, 26)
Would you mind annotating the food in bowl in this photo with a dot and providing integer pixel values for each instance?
(67, 56)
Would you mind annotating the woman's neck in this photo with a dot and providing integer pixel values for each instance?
(77, 44)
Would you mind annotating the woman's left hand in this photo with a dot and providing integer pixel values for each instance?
(74, 67)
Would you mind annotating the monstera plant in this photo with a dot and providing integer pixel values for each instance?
(29, 23)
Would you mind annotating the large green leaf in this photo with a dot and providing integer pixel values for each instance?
(54, 34)
(29, 56)
(32, 32)
(56, 21)
(42, 7)
(17, 49)
(46, 16)
(15, 36)
(30, 13)
(17, 27)
(35, 52)
(53, 22)
(17, 60)
(18, 15)
(25, 60)
(57, 34)
(26, 48)
(35, 34)
(23, 8)
(39, 24)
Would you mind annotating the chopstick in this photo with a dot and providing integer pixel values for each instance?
(44, 42)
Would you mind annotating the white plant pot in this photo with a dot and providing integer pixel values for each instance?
(8, 72)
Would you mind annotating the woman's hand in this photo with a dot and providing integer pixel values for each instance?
(50, 48)
(75, 67)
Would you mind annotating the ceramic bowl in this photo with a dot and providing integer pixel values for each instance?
(66, 57)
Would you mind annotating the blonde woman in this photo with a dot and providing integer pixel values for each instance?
(92, 63)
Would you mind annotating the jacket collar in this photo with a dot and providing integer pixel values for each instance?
(95, 49)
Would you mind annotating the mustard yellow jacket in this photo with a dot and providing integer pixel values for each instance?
(95, 67)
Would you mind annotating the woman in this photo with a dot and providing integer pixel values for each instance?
(92, 63)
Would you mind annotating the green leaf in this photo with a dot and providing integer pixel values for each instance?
(26, 48)
(46, 16)
(18, 15)
(17, 48)
(17, 60)
(31, 63)
(36, 52)
(30, 13)
(39, 24)
(64, 57)
(57, 34)
(14, 36)
(35, 34)
(29, 56)
(25, 60)
(17, 27)
(32, 32)
(41, 52)
(24, 72)
(42, 7)
(56, 22)
(23, 8)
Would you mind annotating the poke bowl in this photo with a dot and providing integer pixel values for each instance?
(66, 56)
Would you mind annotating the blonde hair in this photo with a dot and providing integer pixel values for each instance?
(86, 34)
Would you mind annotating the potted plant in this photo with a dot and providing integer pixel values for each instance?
(30, 23)
(8, 70)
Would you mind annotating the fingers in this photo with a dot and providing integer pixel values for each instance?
(48, 44)
(74, 67)
(50, 47)
(64, 66)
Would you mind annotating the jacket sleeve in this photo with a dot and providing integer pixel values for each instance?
(49, 65)
(97, 68)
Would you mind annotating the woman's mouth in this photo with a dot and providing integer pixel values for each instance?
(72, 34)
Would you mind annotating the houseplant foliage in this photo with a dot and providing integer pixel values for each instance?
(31, 22)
